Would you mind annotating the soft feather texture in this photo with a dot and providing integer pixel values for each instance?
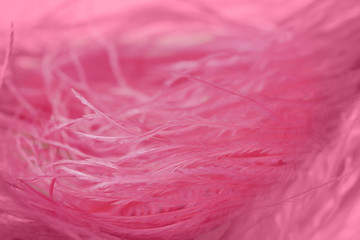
(182, 120)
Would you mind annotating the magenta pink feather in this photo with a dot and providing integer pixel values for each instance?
(180, 120)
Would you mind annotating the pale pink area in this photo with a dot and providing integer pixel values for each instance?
(26, 12)
(181, 120)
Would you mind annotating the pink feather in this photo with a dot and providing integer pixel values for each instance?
(180, 120)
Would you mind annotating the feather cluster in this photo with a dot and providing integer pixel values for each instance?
(182, 120)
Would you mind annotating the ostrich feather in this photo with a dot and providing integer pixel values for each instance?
(181, 120)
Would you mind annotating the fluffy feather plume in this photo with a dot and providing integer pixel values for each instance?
(182, 120)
